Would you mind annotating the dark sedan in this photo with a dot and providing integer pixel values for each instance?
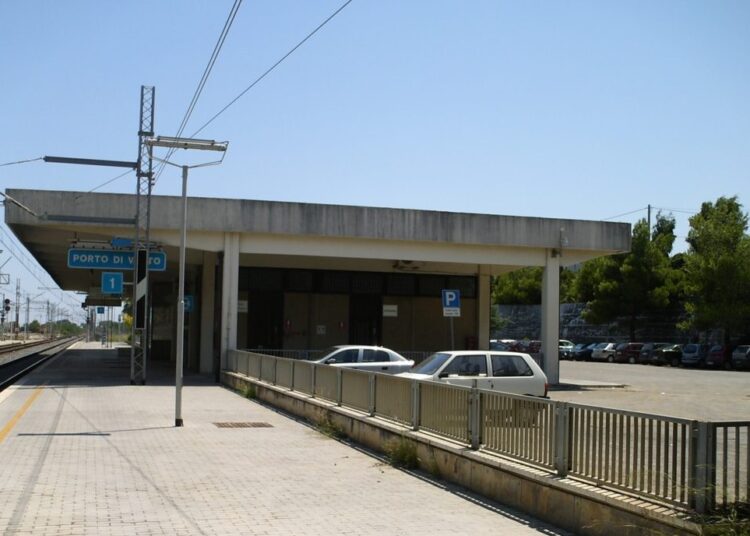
(648, 349)
(667, 355)
(582, 352)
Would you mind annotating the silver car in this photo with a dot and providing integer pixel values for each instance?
(509, 372)
(604, 351)
(369, 358)
(741, 357)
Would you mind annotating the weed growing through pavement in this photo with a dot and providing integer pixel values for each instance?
(249, 392)
(402, 452)
(331, 429)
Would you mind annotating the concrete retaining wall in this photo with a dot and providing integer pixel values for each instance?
(568, 504)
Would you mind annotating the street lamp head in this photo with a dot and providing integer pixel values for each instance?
(187, 143)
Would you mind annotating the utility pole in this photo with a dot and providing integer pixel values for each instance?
(145, 178)
(649, 221)
(16, 329)
(26, 327)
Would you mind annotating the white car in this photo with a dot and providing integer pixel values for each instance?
(509, 372)
(369, 358)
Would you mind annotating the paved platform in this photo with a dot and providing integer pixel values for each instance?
(84, 452)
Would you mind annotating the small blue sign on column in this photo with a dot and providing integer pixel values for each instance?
(100, 310)
(188, 303)
(112, 283)
(451, 302)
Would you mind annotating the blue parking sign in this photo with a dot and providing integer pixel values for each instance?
(188, 303)
(451, 302)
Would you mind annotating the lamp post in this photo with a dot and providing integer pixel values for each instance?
(203, 145)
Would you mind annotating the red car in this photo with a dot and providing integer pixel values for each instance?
(628, 352)
(719, 356)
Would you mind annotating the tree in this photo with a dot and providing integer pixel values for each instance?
(624, 287)
(717, 268)
(35, 326)
(524, 286)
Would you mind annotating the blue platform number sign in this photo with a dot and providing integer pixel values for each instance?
(112, 283)
(451, 302)
(188, 303)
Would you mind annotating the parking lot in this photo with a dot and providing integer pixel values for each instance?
(678, 392)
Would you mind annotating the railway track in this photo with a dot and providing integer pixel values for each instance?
(19, 360)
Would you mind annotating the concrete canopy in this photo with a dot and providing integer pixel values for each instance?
(306, 235)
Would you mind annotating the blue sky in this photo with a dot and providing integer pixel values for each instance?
(555, 109)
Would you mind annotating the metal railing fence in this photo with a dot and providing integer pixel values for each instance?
(691, 464)
(393, 398)
(520, 427)
(444, 410)
(645, 454)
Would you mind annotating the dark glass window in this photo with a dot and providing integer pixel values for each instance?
(299, 281)
(333, 282)
(510, 365)
(367, 283)
(467, 285)
(431, 285)
(401, 285)
(467, 365)
(265, 279)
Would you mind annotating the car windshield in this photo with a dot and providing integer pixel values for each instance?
(432, 364)
(690, 348)
(622, 346)
(601, 345)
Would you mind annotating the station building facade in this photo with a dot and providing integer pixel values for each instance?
(296, 276)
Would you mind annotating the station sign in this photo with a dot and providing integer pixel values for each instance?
(107, 259)
(452, 302)
(112, 282)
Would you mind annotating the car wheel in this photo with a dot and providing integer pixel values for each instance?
(610, 359)
(675, 362)
(631, 360)
(727, 365)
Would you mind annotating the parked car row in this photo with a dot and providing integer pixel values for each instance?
(663, 353)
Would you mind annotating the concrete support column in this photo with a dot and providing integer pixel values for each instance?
(484, 302)
(229, 290)
(551, 316)
(208, 282)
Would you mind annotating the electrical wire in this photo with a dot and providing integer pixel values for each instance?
(113, 179)
(21, 162)
(678, 210)
(268, 71)
(626, 214)
(202, 83)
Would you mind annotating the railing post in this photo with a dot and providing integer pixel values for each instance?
(275, 366)
(475, 416)
(339, 387)
(371, 405)
(291, 387)
(312, 380)
(702, 474)
(415, 405)
(562, 439)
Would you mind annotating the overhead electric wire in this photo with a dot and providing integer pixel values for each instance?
(678, 210)
(202, 83)
(625, 214)
(21, 161)
(261, 77)
(113, 179)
